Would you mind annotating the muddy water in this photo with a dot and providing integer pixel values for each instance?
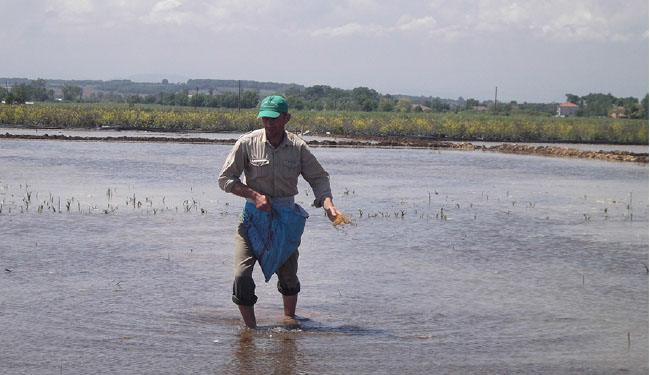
(116, 258)
(308, 137)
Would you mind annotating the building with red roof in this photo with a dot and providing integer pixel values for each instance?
(567, 109)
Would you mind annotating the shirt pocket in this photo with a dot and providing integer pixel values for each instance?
(291, 168)
(259, 168)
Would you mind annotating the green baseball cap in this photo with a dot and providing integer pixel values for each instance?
(272, 106)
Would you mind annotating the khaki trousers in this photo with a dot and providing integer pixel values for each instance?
(243, 288)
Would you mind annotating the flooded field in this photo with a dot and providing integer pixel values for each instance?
(306, 137)
(117, 258)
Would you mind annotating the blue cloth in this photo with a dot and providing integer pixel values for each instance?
(274, 235)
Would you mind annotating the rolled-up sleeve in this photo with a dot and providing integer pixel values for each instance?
(232, 168)
(316, 176)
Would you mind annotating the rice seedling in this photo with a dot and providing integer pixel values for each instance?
(629, 207)
(441, 214)
(341, 219)
(629, 341)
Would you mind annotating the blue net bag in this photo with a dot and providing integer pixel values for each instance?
(274, 235)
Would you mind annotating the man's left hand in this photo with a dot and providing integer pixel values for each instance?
(332, 212)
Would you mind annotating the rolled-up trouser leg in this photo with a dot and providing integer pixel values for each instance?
(243, 288)
(288, 283)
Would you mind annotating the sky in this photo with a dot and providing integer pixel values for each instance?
(531, 50)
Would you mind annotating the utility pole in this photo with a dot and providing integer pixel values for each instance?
(239, 97)
(496, 88)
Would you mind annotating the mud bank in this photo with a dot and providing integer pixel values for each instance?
(380, 142)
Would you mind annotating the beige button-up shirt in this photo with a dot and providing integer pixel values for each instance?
(274, 171)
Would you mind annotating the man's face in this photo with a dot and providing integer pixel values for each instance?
(275, 126)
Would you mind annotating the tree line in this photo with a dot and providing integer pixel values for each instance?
(204, 93)
(599, 105)
(467, 125)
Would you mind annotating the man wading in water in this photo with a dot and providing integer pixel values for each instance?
(271, 160)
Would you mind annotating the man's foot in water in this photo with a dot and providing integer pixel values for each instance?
(290, 322)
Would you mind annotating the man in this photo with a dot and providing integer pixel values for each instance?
(271, 160)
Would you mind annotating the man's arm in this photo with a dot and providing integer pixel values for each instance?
(229, 178)
(262, 202)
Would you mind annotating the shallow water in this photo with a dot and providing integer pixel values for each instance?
(182, 135)
(460, 262)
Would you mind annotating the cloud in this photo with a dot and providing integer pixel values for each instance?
(167, 12)
(417, 24)
(560, 21)
(351, 29)
(553, 20)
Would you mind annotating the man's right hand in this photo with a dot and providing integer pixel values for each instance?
(263, 202)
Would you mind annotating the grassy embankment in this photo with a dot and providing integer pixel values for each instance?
(461, 126)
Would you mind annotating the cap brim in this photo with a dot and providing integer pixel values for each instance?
(272, 114)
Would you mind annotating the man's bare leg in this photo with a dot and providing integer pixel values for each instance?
(248, 313)
(290, 309)
(290, 305)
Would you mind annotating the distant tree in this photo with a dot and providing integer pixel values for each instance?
(403, 105)
(19, 94)
(166, 98)
(471, 103)
(295, 102)
(313, 93)
(643, 107)
(71, 92)
(292, 91)
(438, 105)
(571, 98)
(149, 99)
(133, 99)
(228, 100)
(250, 98)
(212, 101)
(387, 103)
(39, 90)
(181, 98)
(500, 108)
(165, 81)
(92, 98)
(367, 99)
(196, 100)
(597, 104)
(14, 97)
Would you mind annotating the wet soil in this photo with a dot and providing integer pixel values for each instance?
(378, 142)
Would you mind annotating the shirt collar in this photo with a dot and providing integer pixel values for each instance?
(285, 140)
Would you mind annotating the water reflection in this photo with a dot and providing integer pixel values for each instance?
(485, 263)
(266, 351)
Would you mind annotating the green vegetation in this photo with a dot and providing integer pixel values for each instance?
(212, 93)
(469, 125)
(209, 105)
(605, 105)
